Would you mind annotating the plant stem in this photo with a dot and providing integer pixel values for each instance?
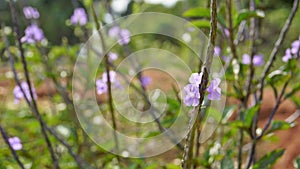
(13, 152)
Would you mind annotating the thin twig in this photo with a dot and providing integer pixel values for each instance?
(267, 69)
(107, 69)
(13, 152)
(187, 162)
(32, 103)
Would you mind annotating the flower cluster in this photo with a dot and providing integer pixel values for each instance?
(292, 52)
(79, 17)
(101, 84)
(19, 94)
(15, 143)
(31, 13)
(33, 34)
(258, 60)
(192, 93)
(123, 35)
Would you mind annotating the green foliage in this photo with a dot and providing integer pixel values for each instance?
(269, 159)
(246, 14)
(297, 163)
(227, 163)
(279, 125)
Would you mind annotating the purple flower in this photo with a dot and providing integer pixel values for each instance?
(258, 60)
(287, 56)
(195, 78)
(192, 95)
(122, 34)
(114, 31)
(112, 76)
(101, 87)
(226, 31)
(31, 13)
(226, 59)
(295, 47)
(112, 56)
(217, 51)
(79, 17)
(214, 91)
(15, 143)
(246, 59)
(124, 37)
(19, 95)
(145, 80)
(101, 84)
(33, 34)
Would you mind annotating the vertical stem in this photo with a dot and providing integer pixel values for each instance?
(107, 69)
(187, 162)
(32, 104)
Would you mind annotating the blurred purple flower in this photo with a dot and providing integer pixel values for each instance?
(295, 47)
(217, 51)
(101, 84)
(258, 60)
(214, 91)
(112, 56)
(122, 34)
(114, 31)
(101, 87)
(145, 80)
(226, 59)
(79, 17)
(287, 56)
(19, 95)
(112, 76)
(192, 95)
(195, 78)
(31, 13)
(226, 31)
(33, 34)
(124, 37)
(15, 143)
(246, 59)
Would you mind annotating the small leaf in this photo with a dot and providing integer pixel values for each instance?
(197, 12)
(295, 89)
(269, 159)
(246, 14)
(249, 114)
(200, 12)
(279, 125)
(297, 163)
(227, 163)
(277, 76)
(201, 23)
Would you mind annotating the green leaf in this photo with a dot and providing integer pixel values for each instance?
(297, 163)
(197, 12)
(249, 114)
(279, 125)
(277, 76)
(201, 23)
(172, 166)
(295, 89)
(227, 163)
(269, 159)
(246, 14)
(200, 12)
